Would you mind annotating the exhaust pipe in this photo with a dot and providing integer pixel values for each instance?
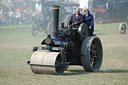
(55, 21)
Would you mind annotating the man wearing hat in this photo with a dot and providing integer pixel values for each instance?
(89, 20)
(76, 19)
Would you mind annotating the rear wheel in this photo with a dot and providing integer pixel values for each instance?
(122, 28)
(34, 28)
(92, 54)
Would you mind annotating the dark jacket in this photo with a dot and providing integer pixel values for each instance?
(78, 19)
(89, 20)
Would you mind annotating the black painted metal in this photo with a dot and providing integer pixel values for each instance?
(92, 54)
(86, 51)
(55, 21)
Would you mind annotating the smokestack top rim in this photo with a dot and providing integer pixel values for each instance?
(56, 7)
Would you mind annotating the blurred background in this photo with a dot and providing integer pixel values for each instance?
(21, 11)
(25, 11)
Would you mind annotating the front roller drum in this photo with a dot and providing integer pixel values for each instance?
(92, 54)
(44, 62)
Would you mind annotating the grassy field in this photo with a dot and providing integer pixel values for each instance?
(16, 48)
(14, 27)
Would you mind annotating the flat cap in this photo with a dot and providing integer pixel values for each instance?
(85, 8)
(77, 9)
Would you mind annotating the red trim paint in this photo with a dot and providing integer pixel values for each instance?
(95, 10)
(98, 10)
(111, 21)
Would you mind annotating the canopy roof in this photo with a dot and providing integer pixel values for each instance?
(64, 4)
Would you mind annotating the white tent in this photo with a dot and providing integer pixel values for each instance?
(83, 3)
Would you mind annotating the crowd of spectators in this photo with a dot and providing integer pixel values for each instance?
(18, 12)
(21, 11)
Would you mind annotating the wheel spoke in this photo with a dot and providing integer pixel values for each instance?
(93, 54)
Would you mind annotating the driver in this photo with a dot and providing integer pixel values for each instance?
(76, 19)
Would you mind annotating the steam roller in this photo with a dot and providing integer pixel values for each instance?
(64, 47)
